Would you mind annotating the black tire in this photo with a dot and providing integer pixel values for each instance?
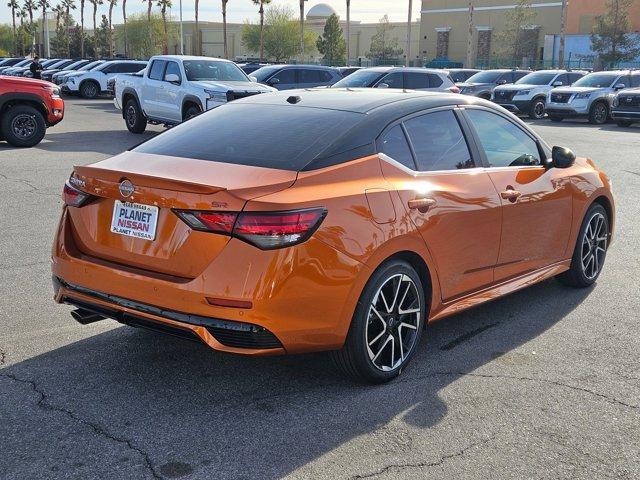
(190, 112)
(537, 110)
(89, 89)
(355, 359)
(23, 126)
(599, 113)
(556, 118)
(624, 123)
(579, 275)
(134, 119)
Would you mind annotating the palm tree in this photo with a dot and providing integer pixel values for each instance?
(30, 6)
(68, 5)
(224, 26)
(44, 4)
(95, 4)
(164, 4)
(112, 3)
(149, 5)
(13, 5)
(124, 20)
(198, 44)
(58, 10)
(82, 28)
(262, 3)
(348, 30)
(302, 28)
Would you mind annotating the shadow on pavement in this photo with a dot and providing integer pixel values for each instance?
(188, 410)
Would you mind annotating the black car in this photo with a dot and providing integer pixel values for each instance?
(251, 67)
(459, 75)
(72, 65)
(626, 107)
(346, 71)
(287, 77)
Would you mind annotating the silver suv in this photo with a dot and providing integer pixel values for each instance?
(529, 94)
(591, 96)
(410, 78)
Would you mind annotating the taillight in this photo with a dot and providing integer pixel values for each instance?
(74, 197)
(265, 230)
(454, 89)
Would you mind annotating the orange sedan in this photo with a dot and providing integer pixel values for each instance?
(339, 220)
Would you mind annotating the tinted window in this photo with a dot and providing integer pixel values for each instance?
(519, 75)
(574, 77)
(361, 78)
(488, 76)
(415, 80)
(434, 80)
(157, 69)
(325, 76)
(537, 78)
(308, 76)
(131, 67)
(505, 144)
(172, 67)
(635, 81)
(394, 80)
(438, 142)
(273, 136)
(394, 144)
(506, 77)
(286, 76)
(626, 80)
(564, 78)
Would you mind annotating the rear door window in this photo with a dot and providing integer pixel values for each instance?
(635, 81)
(416, 81)
(394, 80)
(564, 78)
(287, 76)
(394, 144)
(438, 142)
(574, 77)
(434, 80)
(157, 70)
(307, 75)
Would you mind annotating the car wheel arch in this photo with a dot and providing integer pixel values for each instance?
(22, 99)
(90, 80)
(190, 101)
(128, 94)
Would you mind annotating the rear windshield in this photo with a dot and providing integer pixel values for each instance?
(490, 76)
(361, 78)
(273, 136)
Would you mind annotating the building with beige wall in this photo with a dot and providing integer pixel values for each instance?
(444, 28)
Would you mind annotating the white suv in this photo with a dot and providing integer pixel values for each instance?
(591, 96)
(529, 94)
(410, 78)
(92, 83)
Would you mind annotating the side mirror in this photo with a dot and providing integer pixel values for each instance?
(619, 86)
(273, 81)
(557, 83)
(502, 82)
(382, 85)
(253, 79)
(172, 78)
(562, 157)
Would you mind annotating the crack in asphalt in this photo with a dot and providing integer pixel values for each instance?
(97, 429)
(32, 187)
(612, 400)
(440, 461)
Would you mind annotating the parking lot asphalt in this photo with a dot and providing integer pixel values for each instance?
(542, 384)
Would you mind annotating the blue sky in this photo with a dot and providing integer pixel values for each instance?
(240, 10)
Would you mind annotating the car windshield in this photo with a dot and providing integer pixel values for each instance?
(598, 80)
(91, 66)
(361, 78)
(485, 77)
(74, 65)
(213, 70)
(537, 78)
(265, 72)
(49, 62)
(58, 64)
(271, 136)
(23, 63)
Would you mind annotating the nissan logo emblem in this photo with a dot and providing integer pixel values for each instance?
(126, 188)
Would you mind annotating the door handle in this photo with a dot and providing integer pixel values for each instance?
(510, 194)
(421, 204)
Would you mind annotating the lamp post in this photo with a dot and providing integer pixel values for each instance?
(409, 34)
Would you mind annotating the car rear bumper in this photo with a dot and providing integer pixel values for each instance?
(298, 307)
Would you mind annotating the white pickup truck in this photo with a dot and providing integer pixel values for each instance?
(174, 88)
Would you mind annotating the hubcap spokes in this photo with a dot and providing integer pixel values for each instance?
(24, 125)
(594, 246)
(131, 116)
(393, 322)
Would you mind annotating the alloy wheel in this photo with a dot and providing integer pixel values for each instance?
(131, 115)
(594, 246)
(600, 113)
(538, 109)
(24, 126)
(393, 322)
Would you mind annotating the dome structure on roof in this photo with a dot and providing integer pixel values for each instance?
(321, 11)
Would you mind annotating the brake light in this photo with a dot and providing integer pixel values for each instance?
(454, 89)
(265, 230)
(74, 197)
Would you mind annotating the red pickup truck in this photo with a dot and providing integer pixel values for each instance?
(27, 108)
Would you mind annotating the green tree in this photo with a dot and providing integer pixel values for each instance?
(101, 38)
(331, 43)
(43, 4)
(280, 35)
(68, 5)
(384, 46)
(82, 28)
(262, 3)
(611, 39)
(95, 4)
(164, 4)
(149, 7)
(7, 42)
(145, 36)
(81, 43)
(61, 44)
(518, 39)
(58, 11)
(124, 26)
